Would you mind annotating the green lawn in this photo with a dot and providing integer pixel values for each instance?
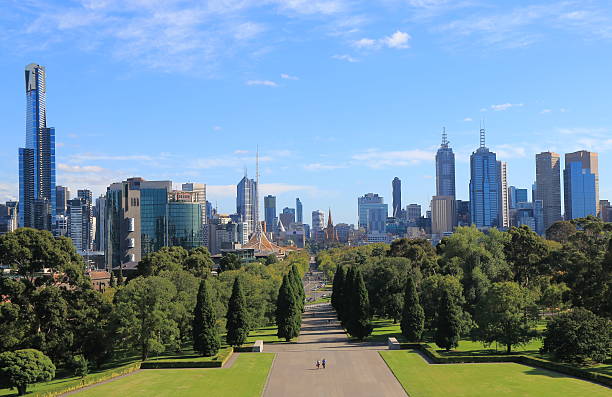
(421, 379)
(246, 378)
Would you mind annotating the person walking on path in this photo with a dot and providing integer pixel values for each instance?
(324, 362)
(318, 364)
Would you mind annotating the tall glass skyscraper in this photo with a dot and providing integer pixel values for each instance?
(397, 197)
(246, 203)
(445, 169)
(299, 211)
(548, 186)
(185, 227)
(37, 204)
(580, 180)
(484, 186)
(270, 213)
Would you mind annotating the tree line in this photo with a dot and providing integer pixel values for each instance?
(172, 303)
(492, 287)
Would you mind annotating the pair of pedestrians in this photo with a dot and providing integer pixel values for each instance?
(321, 363)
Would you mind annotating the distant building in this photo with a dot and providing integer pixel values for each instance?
(9, 218)
(504, 202)
(299, 211)
(442, 214)
(548, 186)
(397, 197)
(445, 169)
(37, 201)
(100, 216)
(330, 231)
(62, 195)
(413, 212)
(605, 210)
(581, 184)
(372, 212)
(270, 213)
(463, 213)
(246, 203)
(530, 214)
(80, 227)
(318, 220)
(287, 217)
(485, 187)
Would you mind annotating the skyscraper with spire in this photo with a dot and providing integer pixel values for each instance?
(485, 194)
(37, 204)
(445, 169)
(246, 203)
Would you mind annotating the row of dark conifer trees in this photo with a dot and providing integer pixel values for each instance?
(350, 300)
(290, 305)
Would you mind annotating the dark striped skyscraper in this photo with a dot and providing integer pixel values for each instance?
(37, 202)
(548, 186)
(397, 197)
(445, 169)
(485, 186)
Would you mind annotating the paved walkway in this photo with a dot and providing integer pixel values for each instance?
(353, 369)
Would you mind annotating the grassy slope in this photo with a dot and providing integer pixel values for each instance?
(421, 379)
(246, 378)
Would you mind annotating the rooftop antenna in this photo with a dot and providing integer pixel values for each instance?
(444, 138)
(482, 134)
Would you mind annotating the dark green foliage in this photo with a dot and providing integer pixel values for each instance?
(229, 261)
(413, 316)
(271, 259)
(506, 315)
(79, 366)
(237, 317)
(579, 336)
(448, 322)
(560, 231)
(347, 303)
(198, 262)
(205, 334)
(526, 253)
(359, 323)
(385, 280)
(419, 251)
(166, 259)
(20, 368)
(298, 286)
(113, 280)
(288, 311)
(337, 287)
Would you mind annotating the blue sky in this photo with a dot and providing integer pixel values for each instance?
(340, 95)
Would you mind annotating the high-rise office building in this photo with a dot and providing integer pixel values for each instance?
(136, 219)
(516, 195)
(413, 212)
(199, 195)
(484, 186)
(397, 197)
(270, 213)
(372, 213)
(100, 216)
(318, 221)
(548, 186)
(37, 200)
(445, 169)
(504, 202)
(463, 213)
(287, 217)
(80, 223)
(605, 210)
(8, 217)
(299, 211)
(246, 203)
(581, 184)
(443, 214)
(62, 195)
(185, 227)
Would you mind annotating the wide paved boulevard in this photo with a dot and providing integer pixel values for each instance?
(353, 369)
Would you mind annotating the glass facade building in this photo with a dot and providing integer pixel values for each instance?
(580, 191)
(270, 213)
(372, 212)
(185, 228)
(397, 197)
(37, 159)
(246, 203)
(445, 169)
(154, 218)
(484, 187)
(299, 211)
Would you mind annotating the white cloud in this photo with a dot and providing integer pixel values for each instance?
(80, 157)
(216, 128)
(240, 151)
(323, 167)
(288, 77)
(507, 151)
(267, 83)
(467, 119)
(345, 57)
(397, 40)
(229, 191)
(379, 159)
(78, 168)
(9, 192)
(505, 106)
(595, 132)
(545, 111)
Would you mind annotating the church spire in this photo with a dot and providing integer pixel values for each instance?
(329, 219)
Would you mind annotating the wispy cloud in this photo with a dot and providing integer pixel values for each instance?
(379, 159)
(229, 191)
(545, 111)
(467, 119)
(397, 40)
(510, 151)
(505, 106)
(345, 57)
(323, 167)
(80, 157)
(78, 168)
(286, 76)
(268, 83)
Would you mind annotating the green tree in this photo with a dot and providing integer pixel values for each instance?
(229, 261)
(79, 366)
(360, 323)
(579, 336)
(526, 252)
(560, 231)
(448, 322)
(183, 302)
(271, 259)
(347, 304)
(506, 315)
(198, 262)
(298, 286)
(144, 315)
(52, 333)
(16, 313)
(205, 334)
(21, 368)
(288, 311)
(413, 316)
(237, 316)
(337, 286)
(166, 259)
(432, 289)
(420, 252)
(555, 297)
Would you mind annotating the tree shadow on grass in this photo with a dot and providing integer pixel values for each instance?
(546, 372)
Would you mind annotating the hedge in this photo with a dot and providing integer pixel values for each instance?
(436, 358)
(217, 362)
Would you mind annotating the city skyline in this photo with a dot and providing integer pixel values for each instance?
(332, 149)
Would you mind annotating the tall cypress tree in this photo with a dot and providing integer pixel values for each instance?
(413, 316)
(359, 323)
(205, 334)
(338, 284)
(448, 322)
(237, 317)
(347, 298)
(288, 311)
(298, 286)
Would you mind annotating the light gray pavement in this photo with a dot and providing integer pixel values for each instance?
(353, 369)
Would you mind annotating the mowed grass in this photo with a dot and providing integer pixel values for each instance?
(246, 378)
(421, 379)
